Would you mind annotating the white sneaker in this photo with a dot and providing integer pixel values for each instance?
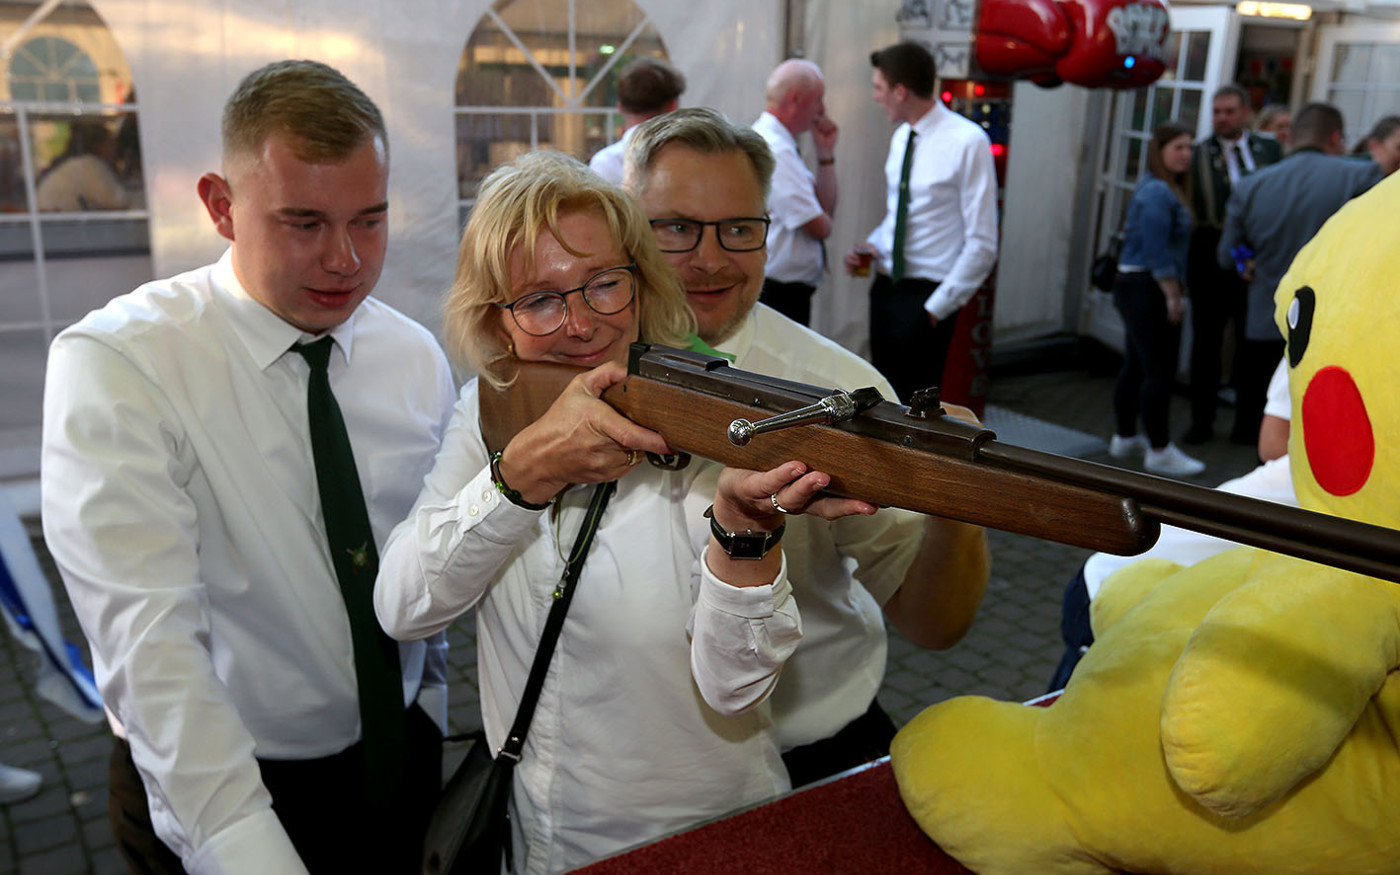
(1170, 461)
(1120, 447)
(17, 785)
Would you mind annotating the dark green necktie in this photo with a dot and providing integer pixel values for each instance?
(901, 210)
(377, 673)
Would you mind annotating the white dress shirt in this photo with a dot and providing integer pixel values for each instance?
(609, 161)
(180, 504)
(1236, 152)
(842, 572)
(623, 748)
(794, 256)
(951, 235)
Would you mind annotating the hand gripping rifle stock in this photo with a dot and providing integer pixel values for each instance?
(922, 460)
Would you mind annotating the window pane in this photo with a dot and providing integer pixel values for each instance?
(76, 163)
(1197, 48)
(1385, 64)
(1173, 55)
(1189, 112)
(1133, 167)
(485, 141)
(1351, 63)
(1352, 104)
(1161, 107)
(12, 195)
(1139, 117)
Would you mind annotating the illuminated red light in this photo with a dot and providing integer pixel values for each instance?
(979, 90)
(997, 150)
(947, 97)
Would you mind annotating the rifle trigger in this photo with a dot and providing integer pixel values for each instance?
(670, 461)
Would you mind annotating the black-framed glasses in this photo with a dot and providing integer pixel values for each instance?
(740, 234)
(605, 293)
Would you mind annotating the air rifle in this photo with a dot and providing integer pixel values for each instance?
(918, 458)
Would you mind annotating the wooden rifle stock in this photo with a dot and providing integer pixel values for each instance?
(891, 455)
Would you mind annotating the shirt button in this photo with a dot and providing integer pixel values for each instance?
(486, 495)
(473, 510)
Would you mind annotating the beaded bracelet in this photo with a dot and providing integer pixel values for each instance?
(511, 495)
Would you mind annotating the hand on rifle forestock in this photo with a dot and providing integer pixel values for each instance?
(759, 499)
(579, 439)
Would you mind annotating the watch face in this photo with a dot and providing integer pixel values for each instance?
(747, 546)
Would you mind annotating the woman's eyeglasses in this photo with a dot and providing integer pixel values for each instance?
(605, 293)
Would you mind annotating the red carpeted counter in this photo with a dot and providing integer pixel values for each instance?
(854, 823)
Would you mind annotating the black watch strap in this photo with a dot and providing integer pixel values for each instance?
(743, 545)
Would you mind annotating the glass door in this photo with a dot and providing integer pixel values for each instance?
(1203, 44)
(1358, 71)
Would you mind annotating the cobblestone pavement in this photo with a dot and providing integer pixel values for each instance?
(1009, 654)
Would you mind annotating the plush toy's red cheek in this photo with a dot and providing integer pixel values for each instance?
(1337, 432)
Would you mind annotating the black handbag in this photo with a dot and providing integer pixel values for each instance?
(1104, 271)
(469, 831)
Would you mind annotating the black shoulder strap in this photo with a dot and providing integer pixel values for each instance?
(515, 741)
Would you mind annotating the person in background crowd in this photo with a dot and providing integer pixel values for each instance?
(84, 177)
(651, 717)
(1383, 144)
(692, 171)
(1275, 120)
(646, 88)
(1272, 214)
(1218, 163)
(801, 204)
(222, 452)
(1150, 296)
(938, 240)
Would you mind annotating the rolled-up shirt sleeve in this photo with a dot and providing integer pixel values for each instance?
(740, 639)
(123, 530)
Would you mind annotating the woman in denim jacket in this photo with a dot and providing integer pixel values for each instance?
(1150, 297)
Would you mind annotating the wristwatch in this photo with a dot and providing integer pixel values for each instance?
(744, 545)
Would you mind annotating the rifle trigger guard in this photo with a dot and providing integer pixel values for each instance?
(837, 407)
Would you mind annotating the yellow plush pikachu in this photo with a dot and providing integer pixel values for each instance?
(1241, 715)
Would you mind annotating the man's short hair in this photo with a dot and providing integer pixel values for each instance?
(1315, 124)
(648, 85)
(1230, 89)
(325, 114)
(908, 64)
(702, 129)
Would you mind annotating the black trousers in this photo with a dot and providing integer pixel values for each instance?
(1075, 629)
(320, 803)
(793, 300)
(904, 346)
(864, 739)
(1256, 364)
(1217, 301)
(1144, 385)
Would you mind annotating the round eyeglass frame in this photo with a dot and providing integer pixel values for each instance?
(630, 269)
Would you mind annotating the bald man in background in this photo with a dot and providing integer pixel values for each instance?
(801, 203)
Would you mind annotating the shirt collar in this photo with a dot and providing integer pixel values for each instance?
(930, 120)
(265, 335)
(739, 342)
(775, 124)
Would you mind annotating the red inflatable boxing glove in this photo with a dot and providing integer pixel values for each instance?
(1093, 43)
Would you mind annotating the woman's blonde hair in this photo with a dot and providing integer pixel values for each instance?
(517, 203)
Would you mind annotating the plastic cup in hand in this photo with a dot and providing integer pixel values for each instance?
(862, 267)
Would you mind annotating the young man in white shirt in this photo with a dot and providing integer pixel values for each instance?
(183, 506)
(933, 259)
(704, 179)
(801, 203)
(646, 88)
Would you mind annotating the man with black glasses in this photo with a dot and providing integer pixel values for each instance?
(702, 181)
